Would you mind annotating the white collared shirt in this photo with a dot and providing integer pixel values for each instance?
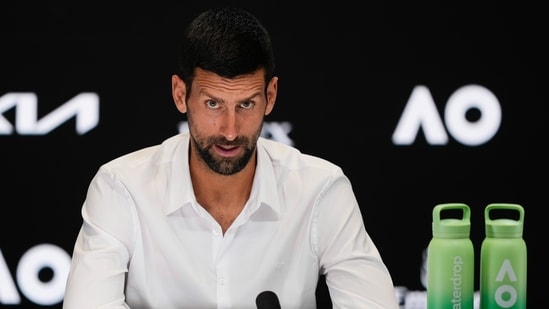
(145, 242)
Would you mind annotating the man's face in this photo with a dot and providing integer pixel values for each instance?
(225, 118)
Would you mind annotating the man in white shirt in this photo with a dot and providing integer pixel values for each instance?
(216, 216)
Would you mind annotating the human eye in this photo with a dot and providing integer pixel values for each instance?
(212, 104)
(247, 105)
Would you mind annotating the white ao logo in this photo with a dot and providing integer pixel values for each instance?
(37, 258)
(421, 112)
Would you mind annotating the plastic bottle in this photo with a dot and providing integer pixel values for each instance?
(450, 259)
(503, 258)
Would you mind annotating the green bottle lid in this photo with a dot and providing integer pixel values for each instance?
(504, 227)
(451, 227)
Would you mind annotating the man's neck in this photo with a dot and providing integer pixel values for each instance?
(223, 196)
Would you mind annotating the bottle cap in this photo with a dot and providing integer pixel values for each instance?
(451, 227)
(503, 227)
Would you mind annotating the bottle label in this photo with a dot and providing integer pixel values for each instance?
(505, 294)
(457, 280)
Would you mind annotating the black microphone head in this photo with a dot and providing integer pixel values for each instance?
(267, 300)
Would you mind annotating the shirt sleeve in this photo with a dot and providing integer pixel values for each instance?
(356, 276)
(101, 252)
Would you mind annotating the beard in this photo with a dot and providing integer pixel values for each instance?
(224, 166)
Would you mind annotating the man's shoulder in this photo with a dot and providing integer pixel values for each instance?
(292, 157)
(157, 153)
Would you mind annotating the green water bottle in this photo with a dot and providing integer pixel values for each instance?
(450, 259)
(503, 258)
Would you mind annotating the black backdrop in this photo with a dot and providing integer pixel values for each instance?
(347, 72)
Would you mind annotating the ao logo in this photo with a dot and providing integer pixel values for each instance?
(421, 111)
(36, 259)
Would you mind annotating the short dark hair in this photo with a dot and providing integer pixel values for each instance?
(227, 41)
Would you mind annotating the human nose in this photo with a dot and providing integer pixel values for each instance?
(229, 127)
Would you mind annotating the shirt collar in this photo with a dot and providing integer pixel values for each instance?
(264, 188)
(180, 191)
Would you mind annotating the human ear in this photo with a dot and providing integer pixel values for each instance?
(272, 89)
(179, 91)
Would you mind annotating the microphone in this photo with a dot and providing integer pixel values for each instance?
(267, 300)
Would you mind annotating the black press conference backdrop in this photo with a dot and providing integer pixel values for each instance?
(419, 104)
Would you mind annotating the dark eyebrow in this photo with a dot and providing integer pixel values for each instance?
(250, 98)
